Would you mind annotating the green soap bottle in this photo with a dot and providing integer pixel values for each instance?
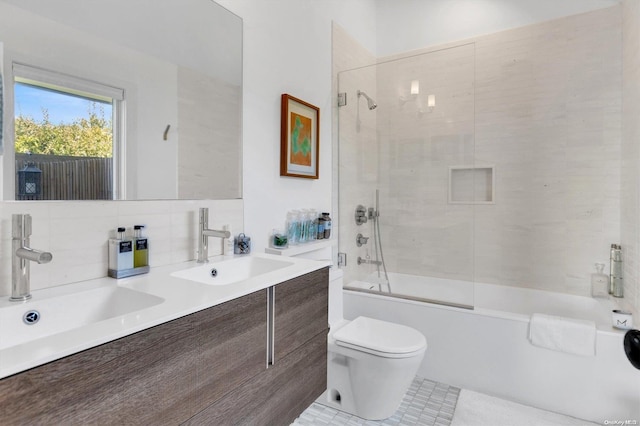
(140, 247)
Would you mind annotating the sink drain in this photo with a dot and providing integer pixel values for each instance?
(214, 272)
(31, 317)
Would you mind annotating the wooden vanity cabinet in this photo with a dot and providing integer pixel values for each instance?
(298, 374)
(300, 312)
(162, 375)
(210, 365)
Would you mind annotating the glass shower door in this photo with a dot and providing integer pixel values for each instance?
(409, 163)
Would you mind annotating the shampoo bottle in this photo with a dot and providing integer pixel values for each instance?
(140, 247)
(599, 282)
(120, 252)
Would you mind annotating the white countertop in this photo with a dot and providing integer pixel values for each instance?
(181, 297)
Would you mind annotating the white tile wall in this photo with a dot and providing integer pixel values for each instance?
(630, 201)
(209, 119)
(542, 104)
(421, 232)
(76, 233)
(548, 105)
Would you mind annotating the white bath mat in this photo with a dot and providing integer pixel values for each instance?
(477, 409)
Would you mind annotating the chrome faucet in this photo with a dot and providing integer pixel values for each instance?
(204, 233)
(368, 261)
(22, 255)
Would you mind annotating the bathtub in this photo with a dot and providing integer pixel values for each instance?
(480, 342)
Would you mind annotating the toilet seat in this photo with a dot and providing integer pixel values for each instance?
(380, 338)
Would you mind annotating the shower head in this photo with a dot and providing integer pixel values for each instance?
(370, 102)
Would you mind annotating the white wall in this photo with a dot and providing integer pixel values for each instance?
(287, 49)
(630, 170)
(405, 25)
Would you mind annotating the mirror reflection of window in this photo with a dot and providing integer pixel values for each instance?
(65, 142)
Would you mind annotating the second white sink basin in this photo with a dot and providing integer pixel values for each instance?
(231, 271)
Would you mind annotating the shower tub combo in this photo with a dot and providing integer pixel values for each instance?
(430, 137)
(486, 347)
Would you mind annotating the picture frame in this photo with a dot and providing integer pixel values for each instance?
(300, 138)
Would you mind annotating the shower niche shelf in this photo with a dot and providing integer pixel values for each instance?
(472, 184)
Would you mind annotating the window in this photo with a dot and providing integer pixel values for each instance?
(67, 136)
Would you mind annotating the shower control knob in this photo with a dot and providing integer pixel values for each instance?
(360, 240)
(361, 215)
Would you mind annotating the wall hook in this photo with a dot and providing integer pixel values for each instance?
(166, 132)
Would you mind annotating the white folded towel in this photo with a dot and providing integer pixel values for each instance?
(563, 334)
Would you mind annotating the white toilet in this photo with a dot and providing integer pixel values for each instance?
(371, 363)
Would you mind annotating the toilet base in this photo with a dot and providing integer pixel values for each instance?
(372, 400)
(368, 386)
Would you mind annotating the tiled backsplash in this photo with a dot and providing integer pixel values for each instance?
(76, 233)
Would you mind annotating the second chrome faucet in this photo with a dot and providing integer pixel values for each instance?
(204, 233)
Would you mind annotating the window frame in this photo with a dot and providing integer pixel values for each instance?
(66, 83)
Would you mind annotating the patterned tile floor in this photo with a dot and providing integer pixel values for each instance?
(426, 403)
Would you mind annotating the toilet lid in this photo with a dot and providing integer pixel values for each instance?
(380, 336)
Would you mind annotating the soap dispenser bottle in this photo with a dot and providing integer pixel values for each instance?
(140, 247)
(120, 252)
(599, 282)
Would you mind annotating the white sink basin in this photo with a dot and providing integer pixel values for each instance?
(231, 271)
(69, 311)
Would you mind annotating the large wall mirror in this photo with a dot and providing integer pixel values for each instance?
(160, 87)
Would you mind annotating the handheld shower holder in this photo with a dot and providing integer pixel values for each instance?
(372, 213)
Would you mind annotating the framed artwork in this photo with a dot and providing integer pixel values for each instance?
(300, 138)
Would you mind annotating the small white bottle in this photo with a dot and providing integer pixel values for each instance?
(599, 282)
(120, 252)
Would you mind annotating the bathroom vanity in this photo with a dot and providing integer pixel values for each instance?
(259, 358)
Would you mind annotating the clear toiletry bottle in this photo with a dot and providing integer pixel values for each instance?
(616, 287)
(320, 228)
(120, 252)
(293, 227)
(313, 225)
(140, 247)
(611, 254)
(304, 228)
(327, 225)
(599, 282)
